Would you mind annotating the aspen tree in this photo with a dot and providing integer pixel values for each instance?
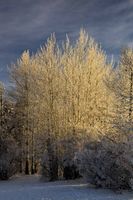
(20, 74)
(48, 59)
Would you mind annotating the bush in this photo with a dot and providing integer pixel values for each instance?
(106, 164)
(8, 158)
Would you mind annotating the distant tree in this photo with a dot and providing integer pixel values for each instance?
(8, 157)
(121, 85)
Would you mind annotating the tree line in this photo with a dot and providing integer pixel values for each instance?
(68, 113)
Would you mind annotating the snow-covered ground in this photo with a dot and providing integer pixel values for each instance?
(31, 188)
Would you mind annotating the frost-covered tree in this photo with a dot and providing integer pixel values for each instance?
(21, 75)
(60, 95)
(124, 84)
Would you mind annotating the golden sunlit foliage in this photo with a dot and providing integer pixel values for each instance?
(68, 92)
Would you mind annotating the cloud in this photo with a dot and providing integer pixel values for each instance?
(26, 24)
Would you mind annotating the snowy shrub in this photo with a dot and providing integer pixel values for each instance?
(105, 164)
(8, 158)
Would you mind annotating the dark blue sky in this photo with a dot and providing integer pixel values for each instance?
(25, 24)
